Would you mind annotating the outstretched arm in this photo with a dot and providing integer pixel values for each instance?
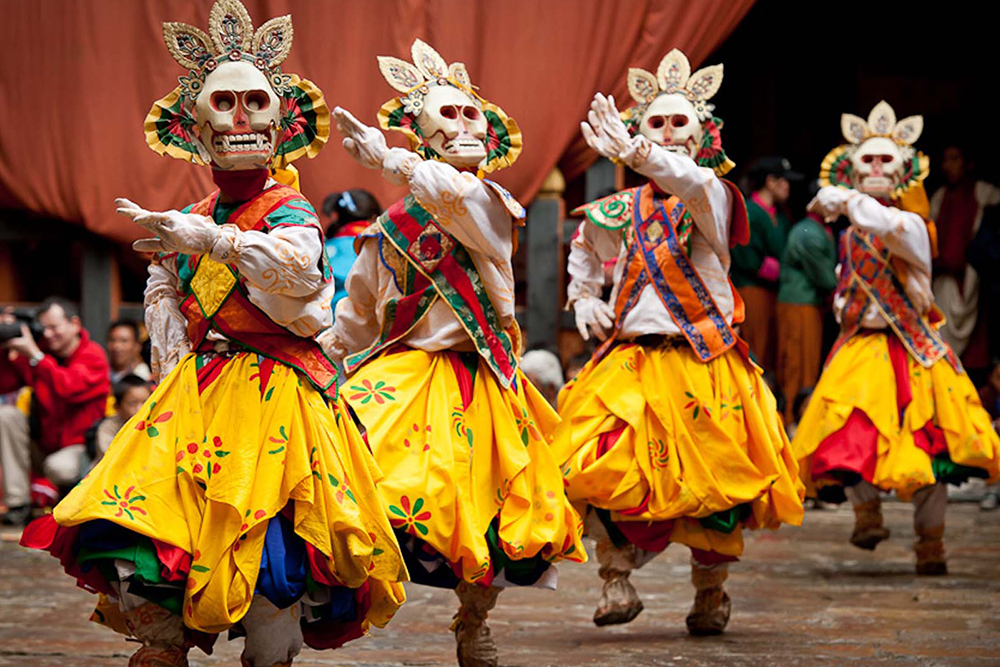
(461, 203)
(704, 195)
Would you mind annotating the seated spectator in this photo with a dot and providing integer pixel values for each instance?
(545, 372)
(348, 213)
(125, 351)
(130, 393)
(69, 389)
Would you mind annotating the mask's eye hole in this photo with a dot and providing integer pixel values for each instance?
(678, 120)
(868, 159)
(886, 159)
(449, 112)
(256, 100)
(223, 100)
(470, 113)
(656, 122)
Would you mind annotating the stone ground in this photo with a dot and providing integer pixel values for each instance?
(801, 596)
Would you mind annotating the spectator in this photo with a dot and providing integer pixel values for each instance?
(125, 351)
(808, 274)
(69, 383)
(348, 213)
(983, 254)
(757, 265)
(545, 372)
(130, 393)
(957, 211)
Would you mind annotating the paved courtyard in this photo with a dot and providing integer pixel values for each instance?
(801, 596)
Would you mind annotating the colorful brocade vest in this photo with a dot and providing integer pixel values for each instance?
(428, 264)
(215, 295)
(657, 229)
(868, 280)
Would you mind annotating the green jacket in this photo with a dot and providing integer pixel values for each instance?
(808, 267)
(767, 239)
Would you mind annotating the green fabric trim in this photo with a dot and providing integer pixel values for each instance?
(726, 521)
(142, 554)
(946, 470)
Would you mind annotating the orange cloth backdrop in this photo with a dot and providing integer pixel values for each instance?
(77, 78)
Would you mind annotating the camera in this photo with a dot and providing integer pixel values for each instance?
(10, 330)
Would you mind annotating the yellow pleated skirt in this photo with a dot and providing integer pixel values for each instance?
(860, 377)
(459, 453)
(654, 434)
(205, 469)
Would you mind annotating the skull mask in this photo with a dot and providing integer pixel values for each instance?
(877, 166)
(671, 121)
(237, 114)
(454, 126)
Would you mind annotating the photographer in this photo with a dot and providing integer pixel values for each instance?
(69, 383)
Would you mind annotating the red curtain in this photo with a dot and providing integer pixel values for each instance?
(77, 79)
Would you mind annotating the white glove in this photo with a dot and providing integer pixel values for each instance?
(605, 132)
(398, 165)
(831, 202)
(365, 144)
(593, 315)
(186, 233)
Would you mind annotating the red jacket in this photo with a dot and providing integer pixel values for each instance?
(69, 394)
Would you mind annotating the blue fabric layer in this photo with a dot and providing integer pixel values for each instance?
(283, 564)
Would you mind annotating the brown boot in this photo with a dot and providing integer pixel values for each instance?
(868, 528)
(245, 663)
(161, 633)
(619, 601)
(476, 647)
(711, 609)
(930, 551)
(159, 656)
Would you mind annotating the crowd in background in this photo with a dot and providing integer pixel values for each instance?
(63, 396)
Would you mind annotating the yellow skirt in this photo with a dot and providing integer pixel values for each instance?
(860, 378)
(655, 435)
(462, 458)
(205, 468)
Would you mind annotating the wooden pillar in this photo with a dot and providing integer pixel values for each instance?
(545, 262)
(97, 287)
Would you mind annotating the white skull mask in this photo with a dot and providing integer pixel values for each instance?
(877, 166)
(237, 113)
(671, 121)
(454, 126)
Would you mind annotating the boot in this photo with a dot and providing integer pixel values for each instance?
(475, 645)
(619, 601)
(161, 633)
(245, 663)
(868, 528)
(159, 656)
(712, 606)
(930, 551)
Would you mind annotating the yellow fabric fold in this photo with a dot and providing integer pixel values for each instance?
(205, 471)
(450, 470)
(696, 438)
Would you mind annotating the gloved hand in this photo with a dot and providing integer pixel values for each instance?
(364, 143)
(831, 202)
(593, 315)
(186, 233)
(605, 132)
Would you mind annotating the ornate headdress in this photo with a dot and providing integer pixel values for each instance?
(838, 166)
(503, 144)
(673, 77)
(170, 124)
